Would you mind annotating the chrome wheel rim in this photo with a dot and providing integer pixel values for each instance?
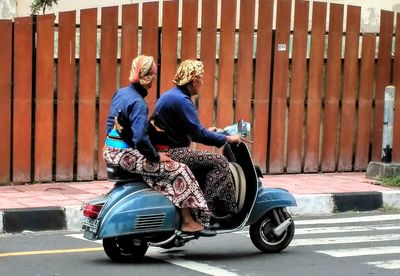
(267, 235)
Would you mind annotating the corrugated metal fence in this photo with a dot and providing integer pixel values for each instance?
(314, 94)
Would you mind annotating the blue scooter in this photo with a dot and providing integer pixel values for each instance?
(131, 216)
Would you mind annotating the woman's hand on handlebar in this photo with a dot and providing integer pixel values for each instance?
(164, 157)
(233, 139)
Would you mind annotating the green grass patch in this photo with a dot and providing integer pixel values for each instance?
(393, 180)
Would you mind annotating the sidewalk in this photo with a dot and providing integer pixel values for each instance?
(56, 206)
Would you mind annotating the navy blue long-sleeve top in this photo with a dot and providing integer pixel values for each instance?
(130, 101)
(177, 113)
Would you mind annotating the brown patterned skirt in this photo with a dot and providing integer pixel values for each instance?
(213, 173)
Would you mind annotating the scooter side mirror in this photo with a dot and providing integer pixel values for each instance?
(242, 128)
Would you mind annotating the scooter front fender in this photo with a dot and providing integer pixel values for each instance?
(268, 199)
(142, 211)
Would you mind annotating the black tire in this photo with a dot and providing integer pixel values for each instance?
(263, 238)
(124, 249)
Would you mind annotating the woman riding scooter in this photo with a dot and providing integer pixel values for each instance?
(128, 146)
(175, 124)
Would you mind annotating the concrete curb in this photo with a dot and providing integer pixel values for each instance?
(317, 204)
(71, 218)
(391, 199)
(1, 221)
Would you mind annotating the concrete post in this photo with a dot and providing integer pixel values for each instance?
(387, 139)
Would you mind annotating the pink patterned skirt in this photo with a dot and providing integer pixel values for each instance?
(173, 179)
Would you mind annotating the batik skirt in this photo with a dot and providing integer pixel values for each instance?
(172, 179)
(215, 178)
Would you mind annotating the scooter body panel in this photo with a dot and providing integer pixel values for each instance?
(268, 199)
(134, 208)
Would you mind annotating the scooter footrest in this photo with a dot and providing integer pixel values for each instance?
(118, 174)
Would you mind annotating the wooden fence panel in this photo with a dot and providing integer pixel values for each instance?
(262, 83)
(365, 101)
(43, 151)
(129, 40)
(333, 87)
(5, 99)
(279, 87)
(207, 56)
(298, 86)
(313, 117)
(150, 43)
(189, 29)
(350, 77)
(169, 40)
(65, 97)
(22, 104)
(87, 94)
(245, 61)
(382, 79)
(396, 83)
(108, 77)
(226, 63)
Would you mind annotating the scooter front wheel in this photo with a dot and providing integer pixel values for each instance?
(124, 249)
(264, 238)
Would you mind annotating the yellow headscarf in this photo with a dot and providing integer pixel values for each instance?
(188, 70)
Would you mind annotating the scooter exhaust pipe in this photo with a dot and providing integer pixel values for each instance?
(278, 231)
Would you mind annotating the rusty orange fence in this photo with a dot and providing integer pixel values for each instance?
(313, 90)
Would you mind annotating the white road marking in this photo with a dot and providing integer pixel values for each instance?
(343, 240)
(342, 229)
(348, 220)
(389, 264)
(345, 229)
(161, 254)
(354, 252)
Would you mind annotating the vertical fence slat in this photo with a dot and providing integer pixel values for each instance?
(279, 87)
(65, 97)
(5, 99)
(22, 104)
(313, 120)
(365, 101)
(396, 82)
(226, 63)
(169, 44)
(87, 94)
(108, 76)
(129, 40)
(245, 61)
(189, 29)
(350, 77)
(333, 87)
(43, 151)
(150, 43)
(382, 79)
(207, 55)
(298, 82)
(262, 83)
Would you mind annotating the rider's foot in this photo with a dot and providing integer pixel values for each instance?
(191, 227)
(201, 232)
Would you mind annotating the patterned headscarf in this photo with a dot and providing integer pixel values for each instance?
(188, 70)
(143, 70)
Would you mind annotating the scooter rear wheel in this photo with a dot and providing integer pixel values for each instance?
(124, 249)
(262, 236)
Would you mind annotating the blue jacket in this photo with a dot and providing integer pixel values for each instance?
(130, 101)
(176, 113)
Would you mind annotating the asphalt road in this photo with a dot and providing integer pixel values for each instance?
(350, 244)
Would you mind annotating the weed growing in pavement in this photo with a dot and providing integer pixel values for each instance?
(393, 180)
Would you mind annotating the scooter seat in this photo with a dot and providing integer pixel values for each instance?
(240, 183)
(117, 174)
